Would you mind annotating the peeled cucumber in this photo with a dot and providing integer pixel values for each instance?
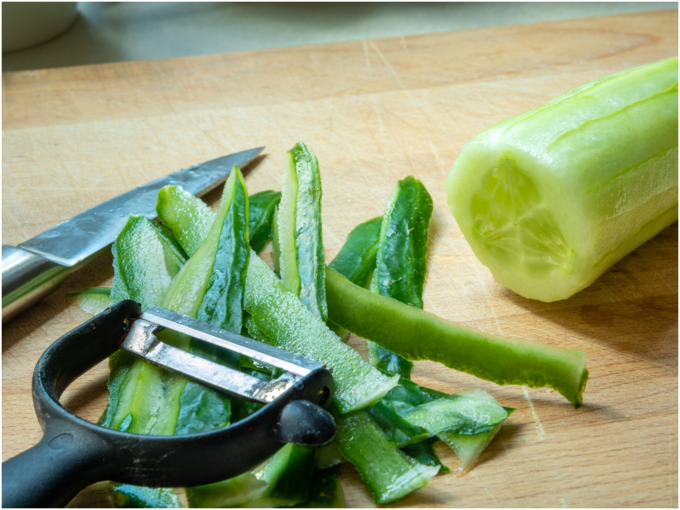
(550, 199)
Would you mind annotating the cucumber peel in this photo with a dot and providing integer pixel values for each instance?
(146, 276)
(299, 238)
(288, 324)
(418, 335)
(261, 208)
(549, 199)
(356, 259)
(388, 473)
(93, 300)
(176, 206)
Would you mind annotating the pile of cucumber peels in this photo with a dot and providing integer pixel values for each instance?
(205, 265)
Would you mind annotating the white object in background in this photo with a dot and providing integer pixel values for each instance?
(26, 24)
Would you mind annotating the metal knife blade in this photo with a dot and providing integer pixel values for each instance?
(75, 240)
(37, 267)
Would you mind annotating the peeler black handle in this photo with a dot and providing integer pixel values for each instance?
(75, 453)
(71, 455)
(49, 474)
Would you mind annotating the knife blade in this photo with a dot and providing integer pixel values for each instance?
(35, 268)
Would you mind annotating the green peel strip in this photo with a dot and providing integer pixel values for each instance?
(419, 335)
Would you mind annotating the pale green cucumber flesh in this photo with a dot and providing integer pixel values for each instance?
(261, 208)
(389, 474)
(289, 325)
(467, 447)
(276, 245)
(469, 413)
(93, 300)
(285, 228)
(234, 492)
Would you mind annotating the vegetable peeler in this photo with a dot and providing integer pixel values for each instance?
(75, 453)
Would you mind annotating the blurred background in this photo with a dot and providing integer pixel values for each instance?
(47, 35)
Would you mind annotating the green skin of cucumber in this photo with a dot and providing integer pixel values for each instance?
(471, 437)
(419, 335)
(424, 453)
(401, 261)
(550, 199)
(272, 306)
(261, 211)
(247, 490)
(325, 490)
(300, 242)
(356, 258)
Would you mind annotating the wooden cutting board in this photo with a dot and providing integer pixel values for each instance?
(374, 111)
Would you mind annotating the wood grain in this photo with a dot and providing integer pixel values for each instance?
(374, 111)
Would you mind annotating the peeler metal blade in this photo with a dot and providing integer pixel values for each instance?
(142, 341)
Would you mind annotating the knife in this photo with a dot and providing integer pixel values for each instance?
(37, 267)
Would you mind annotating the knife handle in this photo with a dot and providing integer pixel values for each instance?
(26, 279)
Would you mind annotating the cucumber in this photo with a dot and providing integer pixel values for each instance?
(93, 300)
(133, 496)
(231, 493)
(288, 324)
(468, 447)
(328, 455)
(300, 243)
(189, 218)
(401, 261)
(468, 412)
(146, 276)
(261, 208)
(356, 259)
(174, 205)
(424, 453)
(288, 475)
(325, 490)
(549, 199)
(388, 473)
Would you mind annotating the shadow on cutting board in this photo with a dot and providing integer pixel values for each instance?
(631, 308)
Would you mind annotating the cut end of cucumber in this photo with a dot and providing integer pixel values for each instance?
(513, 223)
